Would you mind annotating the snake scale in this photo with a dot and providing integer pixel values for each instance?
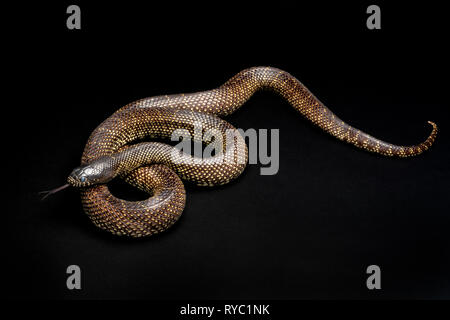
(155, 168)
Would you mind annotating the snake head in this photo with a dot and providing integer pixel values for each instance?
(96, 172)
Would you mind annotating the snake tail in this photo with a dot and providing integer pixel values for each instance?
(243, 85)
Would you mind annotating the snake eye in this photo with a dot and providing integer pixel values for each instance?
(83, 179)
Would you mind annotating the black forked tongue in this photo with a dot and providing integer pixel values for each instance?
(50, 192)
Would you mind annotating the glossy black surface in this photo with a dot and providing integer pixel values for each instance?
(308, 232)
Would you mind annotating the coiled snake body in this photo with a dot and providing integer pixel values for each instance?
(156, 168)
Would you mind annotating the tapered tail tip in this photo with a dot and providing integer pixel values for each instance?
(432, 135)
(435, 129)
(433, 124)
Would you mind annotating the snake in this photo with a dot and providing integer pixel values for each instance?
(117, 148)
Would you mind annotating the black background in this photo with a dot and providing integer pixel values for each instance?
(308, 232)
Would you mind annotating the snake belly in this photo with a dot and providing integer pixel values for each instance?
(156, 168)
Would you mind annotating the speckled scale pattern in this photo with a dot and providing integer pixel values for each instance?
(150, 166)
